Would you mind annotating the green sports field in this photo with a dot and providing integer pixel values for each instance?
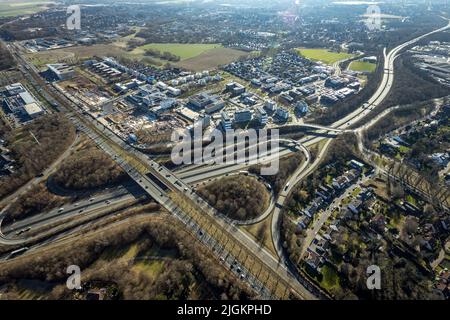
(362, 66)
(324, 55)
(182, 50)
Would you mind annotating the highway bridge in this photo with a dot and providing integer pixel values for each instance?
(317, 127)
(259, 268)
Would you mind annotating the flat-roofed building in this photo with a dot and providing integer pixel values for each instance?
(26, 97)
(14, 89)
(33, 110)
(173, 91)
(215, 106)
(61, 71)
(204, 100)
(243, 116)
(270, 105)
(261, 116)
(235, 88)
(226, 122)
(282, 114)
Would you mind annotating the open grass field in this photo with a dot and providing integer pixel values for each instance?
(184, 51)
(9, 8)
(194, 57)
(211, 59)
(362, 66)
(324, 55)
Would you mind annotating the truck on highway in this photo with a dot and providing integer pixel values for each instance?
(17, 252)
(20, 232)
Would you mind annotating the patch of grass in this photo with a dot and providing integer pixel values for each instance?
(411, 199)
(131, 252)
(211, 59)
(362, 66)
(404, 150)
(150, 268)
(445, 264)
(324, 55)
(356, 192)
(330, 280)
(125, 252)
(195, 57)
(22, 7)
(346, 201)
(182, 50)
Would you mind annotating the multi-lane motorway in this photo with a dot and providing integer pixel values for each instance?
(353, 118)
(235, 248)
(195, 174)
(255, 265)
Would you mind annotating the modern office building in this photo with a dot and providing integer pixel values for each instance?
(282, 114)
(226, 122)
(261, 116)
(61, 71)
(243, 116)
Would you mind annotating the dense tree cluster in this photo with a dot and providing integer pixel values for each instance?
(397, 118)
(175, 282)
(412, 84)
(287, 168)
(6, 59)
(4, 127)
(162, 55)
(36, 200)
(238, 197)
(34, 27)
(88, 168)
(292, 242)
(53, 134)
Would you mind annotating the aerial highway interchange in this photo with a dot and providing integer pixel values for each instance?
(175, 190)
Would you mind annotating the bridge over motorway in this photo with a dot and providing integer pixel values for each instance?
(250, 262)
(316, 127)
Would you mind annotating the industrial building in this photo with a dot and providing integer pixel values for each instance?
(33, 110)
(328, 98)
(18, 101)
(133, 84)
(61, 71)
(164, 106)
